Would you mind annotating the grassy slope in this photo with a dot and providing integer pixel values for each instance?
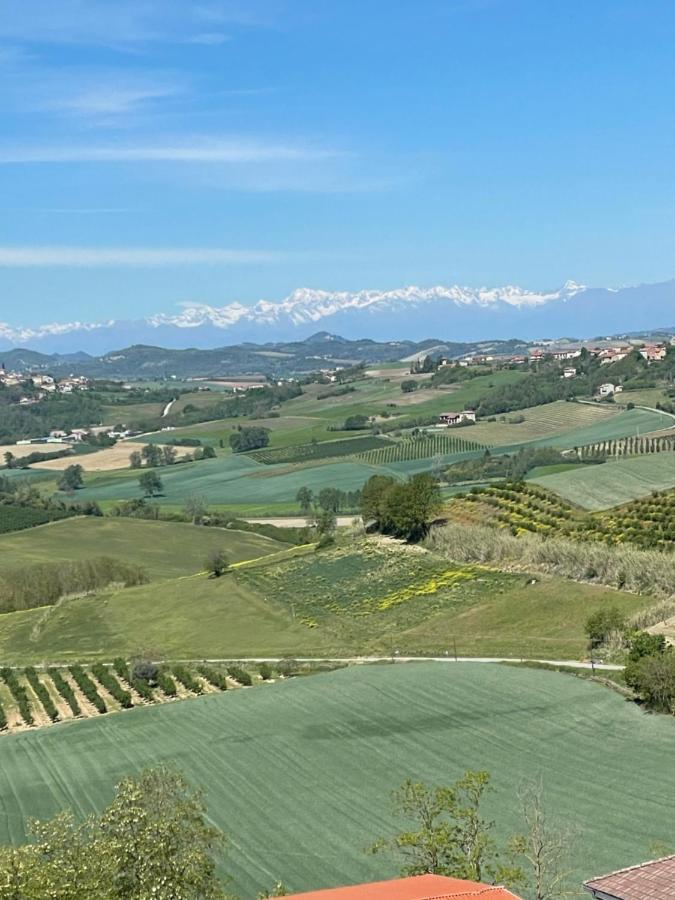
(615, 482)
(164, 549)
(540, 422)
(325, 753)
(338, 602)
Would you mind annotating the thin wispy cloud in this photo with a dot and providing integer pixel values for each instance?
(213, 150)
(96, 257)
(111, 100)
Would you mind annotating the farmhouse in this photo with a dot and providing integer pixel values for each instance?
(569, 372)
(418, 887)
(456, 418)
(653, 880)
(653, 352)
(606, 390)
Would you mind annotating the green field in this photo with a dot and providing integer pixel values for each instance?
(232, 480)
(164, 549)
(543, 421)
(617, 481)
(357, 597)
(300, 773)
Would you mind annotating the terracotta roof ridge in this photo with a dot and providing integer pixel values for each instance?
(487, 889)
(642, 865)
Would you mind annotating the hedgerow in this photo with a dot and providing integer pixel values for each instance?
(105, 677)
(88, 688)
(213, 676)
(42, 693)
(18, 691)
(65, 690)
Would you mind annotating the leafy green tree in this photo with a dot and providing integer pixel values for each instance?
(135, 459)
(9, 458)
(408, 386)
(448, 834)
(355, 423)
(71, 479)
(150, 483)
(304, 497)
(152, 455)
(252, 438)
(169, 455)
(653, 677)
(373, 497)
(209, 452)
(152, 841)
(217, 562)
(599, 625)
(325, 524)
(329, 499)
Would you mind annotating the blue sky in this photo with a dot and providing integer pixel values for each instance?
(159, 152)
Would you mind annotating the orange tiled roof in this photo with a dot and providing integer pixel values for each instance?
(419, 887)
(654, 880)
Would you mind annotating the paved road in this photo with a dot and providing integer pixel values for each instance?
(297, 521)
(570, 663)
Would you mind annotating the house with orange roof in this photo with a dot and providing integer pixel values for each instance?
(417, 887)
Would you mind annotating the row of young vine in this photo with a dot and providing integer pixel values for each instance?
(632, 446)
(425, 446)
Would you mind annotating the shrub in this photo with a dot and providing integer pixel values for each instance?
(65, 690)
(166, 684)
(213, 676)
(111, 684)
(88, 688)
(265, 670)
(18, 691)
(187, 679)
(42, 693)
(3, 719)
(240, 675)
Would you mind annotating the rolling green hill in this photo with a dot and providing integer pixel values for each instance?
(300, 773)
(359, 597)
(164, 549)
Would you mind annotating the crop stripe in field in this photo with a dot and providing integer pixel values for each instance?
(290, 551)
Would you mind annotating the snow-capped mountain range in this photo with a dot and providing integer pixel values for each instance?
(450, 313)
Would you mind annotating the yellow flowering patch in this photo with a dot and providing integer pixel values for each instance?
(447, 579)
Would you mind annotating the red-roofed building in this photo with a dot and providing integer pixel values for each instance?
(653, 880)
(419, 887)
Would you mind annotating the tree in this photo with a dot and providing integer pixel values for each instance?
(135, 459)
(9, 459)
(544, 848)
(329, 499)
(599, 625)
(355, 423)
(195, 508)
(152, 455)
(408, 386)
(252, 438)
(325, 524)
(208, 452)
(217, 562)
(71, 479)
(169, 455)
(448, 835)
(304, 497)
(654, 679)
(150, 483)
(152, 841)
(409, 508)
(373, 496)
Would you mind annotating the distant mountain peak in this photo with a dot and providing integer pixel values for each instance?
(452, 312)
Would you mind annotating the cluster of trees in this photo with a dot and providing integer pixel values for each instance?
(328, 499)
(64, 411)
(72, 478)
(253, 437)
(403, 509)
(43, 584)
(650, 662)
